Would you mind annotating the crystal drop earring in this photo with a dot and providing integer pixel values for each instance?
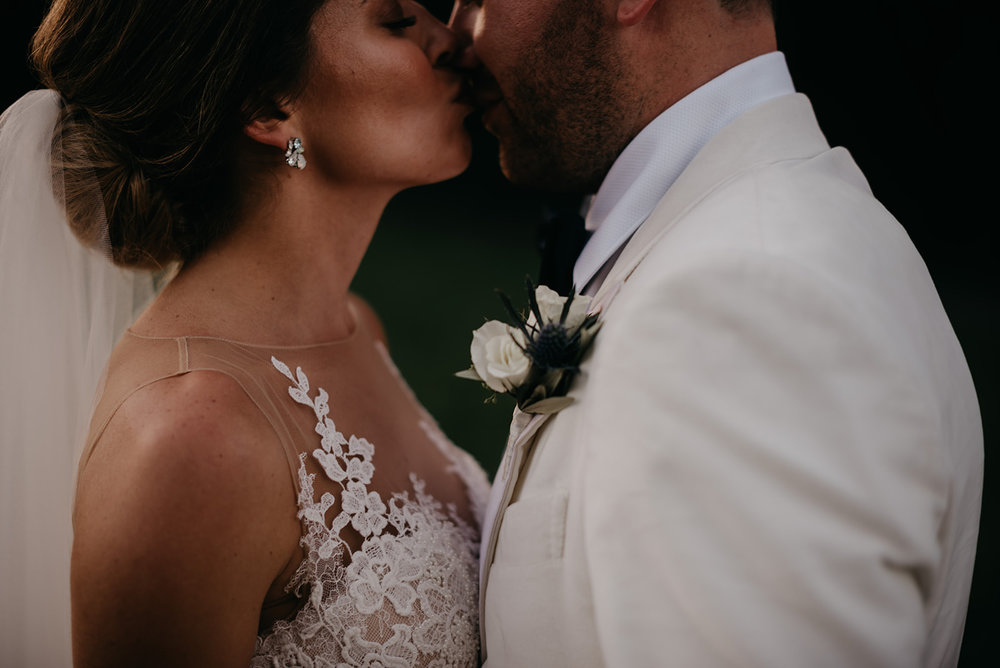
(293, 154)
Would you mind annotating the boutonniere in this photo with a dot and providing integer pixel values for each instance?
(535, 358)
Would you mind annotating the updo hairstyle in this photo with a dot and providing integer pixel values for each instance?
(156, 93)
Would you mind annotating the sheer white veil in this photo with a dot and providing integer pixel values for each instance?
(62, 308)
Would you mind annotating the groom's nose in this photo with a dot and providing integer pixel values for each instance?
(463, 23)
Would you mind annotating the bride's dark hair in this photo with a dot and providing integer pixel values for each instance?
(156, 94)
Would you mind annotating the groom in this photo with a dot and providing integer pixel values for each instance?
(774, 454)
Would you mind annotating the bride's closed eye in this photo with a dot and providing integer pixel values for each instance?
(402, 24)
(395, 20)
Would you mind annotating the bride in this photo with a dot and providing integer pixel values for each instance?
(258, 486)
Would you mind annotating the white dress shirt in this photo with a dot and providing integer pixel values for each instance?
(652, 161)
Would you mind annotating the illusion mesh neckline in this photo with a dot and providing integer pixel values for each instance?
(351, 336)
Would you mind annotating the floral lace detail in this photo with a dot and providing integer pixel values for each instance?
(463, 464)
(409, 595)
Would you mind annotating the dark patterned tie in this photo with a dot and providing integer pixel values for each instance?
(561, 237)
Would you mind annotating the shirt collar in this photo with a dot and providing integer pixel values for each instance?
(653, 160)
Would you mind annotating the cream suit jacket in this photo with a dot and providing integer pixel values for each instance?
(774, 457)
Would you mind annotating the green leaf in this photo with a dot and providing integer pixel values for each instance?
(548, 406)
(537, 394)
(552, 379)
(468, 374)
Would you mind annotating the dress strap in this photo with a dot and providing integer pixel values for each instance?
(251, 369)
(182, 355)
(138, 362)
(135, 363)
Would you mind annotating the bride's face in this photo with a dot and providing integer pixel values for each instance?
(381, 104)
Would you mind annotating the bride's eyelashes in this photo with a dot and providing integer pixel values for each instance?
(394, 19)
(402, 24)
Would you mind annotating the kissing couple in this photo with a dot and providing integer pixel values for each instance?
(745, 432)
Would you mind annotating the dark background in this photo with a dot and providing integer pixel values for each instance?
(903, 85)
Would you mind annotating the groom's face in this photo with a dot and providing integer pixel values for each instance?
(551, 86)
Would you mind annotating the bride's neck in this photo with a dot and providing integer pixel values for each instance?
(283, 275)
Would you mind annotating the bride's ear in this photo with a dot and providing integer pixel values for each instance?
(270, 131)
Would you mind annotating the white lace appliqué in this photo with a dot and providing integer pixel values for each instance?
(408, 596)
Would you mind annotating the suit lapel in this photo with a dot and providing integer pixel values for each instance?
(523, 431)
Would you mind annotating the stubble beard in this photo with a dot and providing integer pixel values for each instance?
(568, 101)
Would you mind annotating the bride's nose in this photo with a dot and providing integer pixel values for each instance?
(440, 42)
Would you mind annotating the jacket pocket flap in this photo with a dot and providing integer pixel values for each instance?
(532, 530)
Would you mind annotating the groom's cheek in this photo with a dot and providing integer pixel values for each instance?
(463, 22)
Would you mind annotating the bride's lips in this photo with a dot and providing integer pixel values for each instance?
(465, 95)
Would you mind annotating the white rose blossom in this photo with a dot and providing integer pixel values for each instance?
(498, 357)
(550, 305)
(536, 360)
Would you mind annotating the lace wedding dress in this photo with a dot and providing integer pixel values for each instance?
(409, 596)
(389, 573)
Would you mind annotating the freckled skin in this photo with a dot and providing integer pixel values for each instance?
(377, 108)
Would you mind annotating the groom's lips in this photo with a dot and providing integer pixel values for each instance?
(486, 93)
(496, 117)
(466, 95)
(488, 101)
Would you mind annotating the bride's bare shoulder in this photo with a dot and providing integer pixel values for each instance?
(188, 500)
(198, 421)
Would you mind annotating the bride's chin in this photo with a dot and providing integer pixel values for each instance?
(466, 153)
(461, 165)
(461, 151)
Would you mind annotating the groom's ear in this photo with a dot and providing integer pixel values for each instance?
(632, 12)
